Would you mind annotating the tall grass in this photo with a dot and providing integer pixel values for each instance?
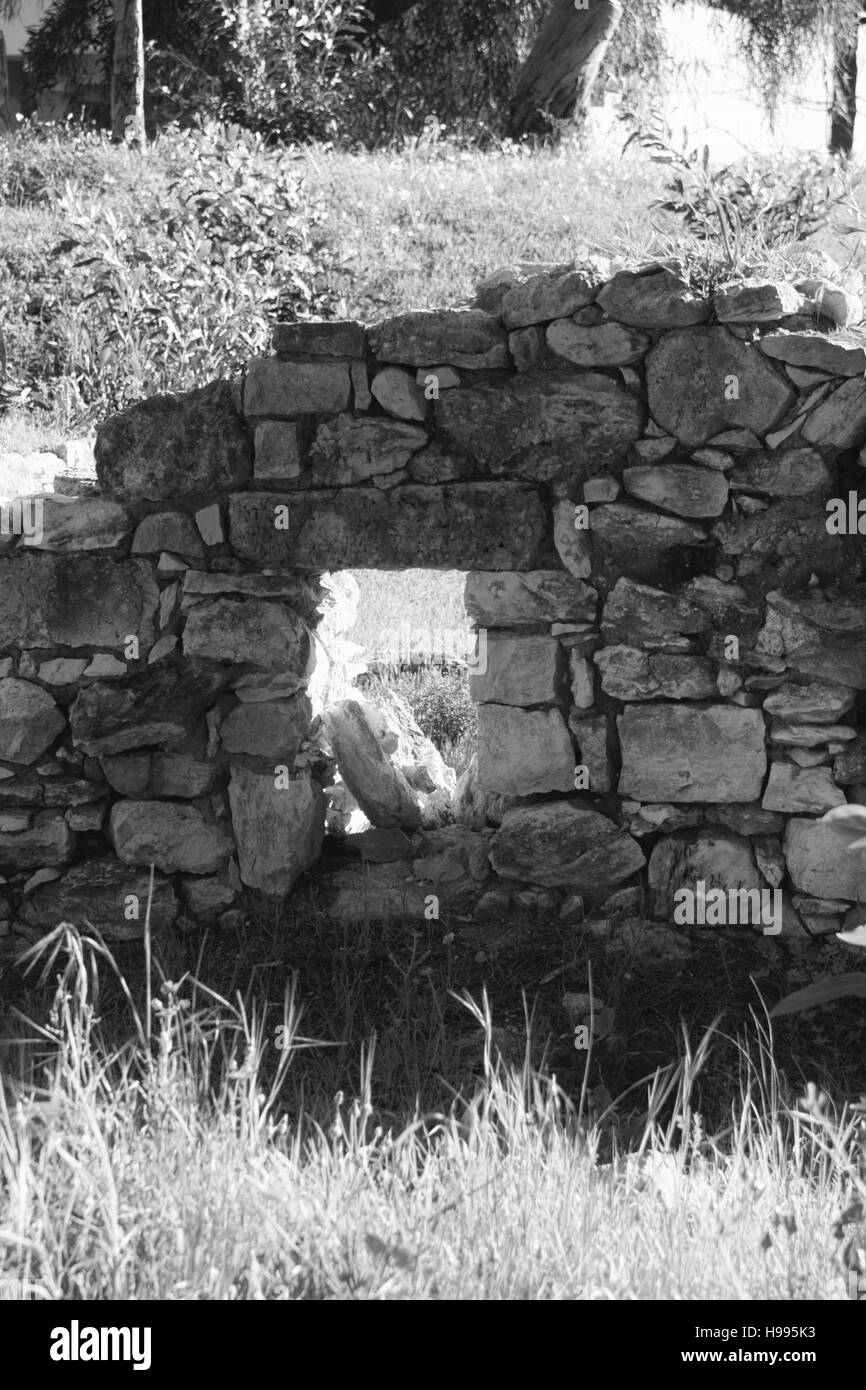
(170, 1167)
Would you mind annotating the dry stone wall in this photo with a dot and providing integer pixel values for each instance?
(655, 494)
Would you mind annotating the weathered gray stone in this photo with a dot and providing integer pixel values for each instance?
(525, 347)
(756, 301)
(520, 671)
(62, 670)
(593, 749)
(377, 784)
(717, 859)
(72, 523)
(502, 599)
(523, 751)
(630, 674)
(810, 735)
(679, 488)
(840, 305)
(639, 615)
(348, 450)
(628, 538)
(601, 489)
(248, 631)
(849, 768)
(127, 773)
(107, 896)
(608, 345)
(786, 544)
(810, 704)
(280, 451)
(562, 844)
(174, 446)
(76, 601)
(582, 679)
(274, 387)
(793, 473)
(410, 526)
(839, 422)
(549, 293)
(646, 451)
(209, 522)
(180, 774)
(657, 300)
(172, 531)
(572, 540)
(820, 862)
(454, 863)
(711, 360)
(770, 859)
(174, 837)
(378, 846)
(463, 337)
(820, 637)
(817, 352)
(681, 753)
(48, 841)
(339, 338)
(207, 898)
(274, 729)
(397, 392)
(547, 425)
(801, 789)
(159, 706)
(279, 829)
(29, 720)
(442, 378)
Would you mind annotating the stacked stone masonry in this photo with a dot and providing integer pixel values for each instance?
(655, 494)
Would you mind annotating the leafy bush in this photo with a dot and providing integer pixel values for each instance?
(222, 242)
(441, 703)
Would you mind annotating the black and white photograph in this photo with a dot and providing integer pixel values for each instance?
(432, 675)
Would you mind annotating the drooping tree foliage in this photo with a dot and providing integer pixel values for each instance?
(780, 39)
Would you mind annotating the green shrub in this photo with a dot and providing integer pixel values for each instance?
(170, 293)
(441, 703)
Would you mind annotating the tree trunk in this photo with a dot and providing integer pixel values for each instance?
(127, 73)
(843, 108)
(5, 112)
(558, 76)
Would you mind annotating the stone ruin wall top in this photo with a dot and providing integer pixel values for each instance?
(655, 494)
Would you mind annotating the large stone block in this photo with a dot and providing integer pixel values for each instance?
(607, 345)
(524, 751)
(717, 859)
(801, 789)
(279, 829)
(29, 720)
(76, 601)
(105, 895)
(74, 523)
(544, 425)
(377, 784)
(159, 706)
(652, 300)
(47, 843)
(512, 600)
(627, 673)
(820, 862)
(679, 488)
(274, 387)
(174, 837)
(488, 526)
(819, 636)
(641, 616)
(520, 671)
(274, 729)
(563, 844)
(249, 631)
(174, 446)
(642, 544)
(533, 294)
(684, 753)
(338, 338)
(460, 337)
(347, 450)
(701, 381)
